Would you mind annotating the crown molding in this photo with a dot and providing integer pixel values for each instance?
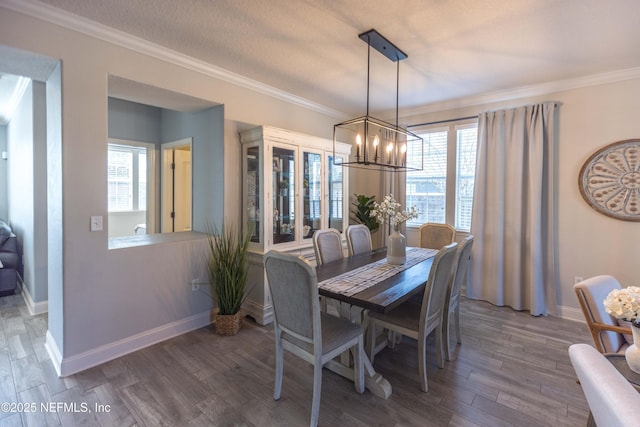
(102, 32)
(523, 92)
(73, 22)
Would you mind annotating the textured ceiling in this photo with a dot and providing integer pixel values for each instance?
(456, 48)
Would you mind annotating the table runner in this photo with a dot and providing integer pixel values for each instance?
(354, 281)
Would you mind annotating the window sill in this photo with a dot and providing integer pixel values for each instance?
(154, 239)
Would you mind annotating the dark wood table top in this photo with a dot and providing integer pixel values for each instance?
(383, 296)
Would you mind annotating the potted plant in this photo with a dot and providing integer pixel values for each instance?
(363, 205)
(228, 268)
(284, 186)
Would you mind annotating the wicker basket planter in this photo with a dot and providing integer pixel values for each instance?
(228, 324)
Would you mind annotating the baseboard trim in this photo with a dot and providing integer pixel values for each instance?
(570, 313)
(94, 357)
(34, 308)
(53, 351)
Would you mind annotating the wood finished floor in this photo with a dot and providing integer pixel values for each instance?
(511, 370)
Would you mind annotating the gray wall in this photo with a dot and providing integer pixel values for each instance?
(207, 130)
(27, 181)
(139, 122)
(133, 121)
(115, 301)
(3, 174)
(54, 205)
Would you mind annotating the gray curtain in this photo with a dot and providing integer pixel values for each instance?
(514, 213)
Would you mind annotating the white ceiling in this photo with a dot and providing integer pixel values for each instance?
(456, 48)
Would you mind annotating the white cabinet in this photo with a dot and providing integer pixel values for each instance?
(292, 186)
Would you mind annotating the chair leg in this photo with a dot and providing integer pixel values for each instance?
(358, 365)
(439, 346)
(446, 335)
(422, 363)
(456, 315)
(279, 367)
(317, 388)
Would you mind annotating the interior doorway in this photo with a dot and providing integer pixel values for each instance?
(176, 185)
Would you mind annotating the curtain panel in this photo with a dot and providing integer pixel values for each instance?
(514, 260)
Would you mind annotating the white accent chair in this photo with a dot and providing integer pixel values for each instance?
(607, 335)
(302, 329)
(358, 239)
(452, 300)
(436, 236)
(417, 321)
(613, 401)
(327, 245)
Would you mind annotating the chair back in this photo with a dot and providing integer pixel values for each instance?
(612, 399)
(436, 287)
(327, 244)
(460, 269)
(591, 294)
(436, 236)
(294, 294)
(358, 239)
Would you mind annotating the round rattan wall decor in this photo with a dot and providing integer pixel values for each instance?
(610, 180)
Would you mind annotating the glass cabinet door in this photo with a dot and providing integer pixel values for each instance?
(312, 191)
(284, 201)
(253, 193)
(335, 190)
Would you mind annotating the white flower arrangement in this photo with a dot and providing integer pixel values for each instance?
(389, 209)
(624, 304)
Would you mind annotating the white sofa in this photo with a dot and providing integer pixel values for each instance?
(612, 399)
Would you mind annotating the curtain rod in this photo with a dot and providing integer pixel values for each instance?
(443, 121)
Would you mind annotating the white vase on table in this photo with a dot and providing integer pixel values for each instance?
(397, 247)
(632, 354)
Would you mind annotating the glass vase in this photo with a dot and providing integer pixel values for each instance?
(397, 247)
(632, 353)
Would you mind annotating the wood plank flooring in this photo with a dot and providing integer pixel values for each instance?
(512, 369)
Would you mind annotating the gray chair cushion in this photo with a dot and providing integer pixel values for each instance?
(335, 331)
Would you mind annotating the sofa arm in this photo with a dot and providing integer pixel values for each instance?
(612, 399)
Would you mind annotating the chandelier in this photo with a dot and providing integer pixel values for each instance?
(377, 144)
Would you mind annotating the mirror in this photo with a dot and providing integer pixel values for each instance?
(176, 186)
(153, 135)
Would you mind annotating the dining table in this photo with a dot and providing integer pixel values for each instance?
(369, 282)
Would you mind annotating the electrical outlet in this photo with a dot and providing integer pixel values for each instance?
(195, 285)
(577, 279)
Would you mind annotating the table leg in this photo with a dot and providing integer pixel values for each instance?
(372, 380)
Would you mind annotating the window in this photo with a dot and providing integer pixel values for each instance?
(335, 195)
(127, 178)
(443, 191)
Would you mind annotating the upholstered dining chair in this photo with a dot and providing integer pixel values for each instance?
(607, 334)
(302, 329)
(327, 245)
(418, 321)
(452, 299)
(612, 400)
(435, 236)
(358, 239)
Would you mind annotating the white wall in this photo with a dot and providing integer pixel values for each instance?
(589, 243)
(115, 300)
